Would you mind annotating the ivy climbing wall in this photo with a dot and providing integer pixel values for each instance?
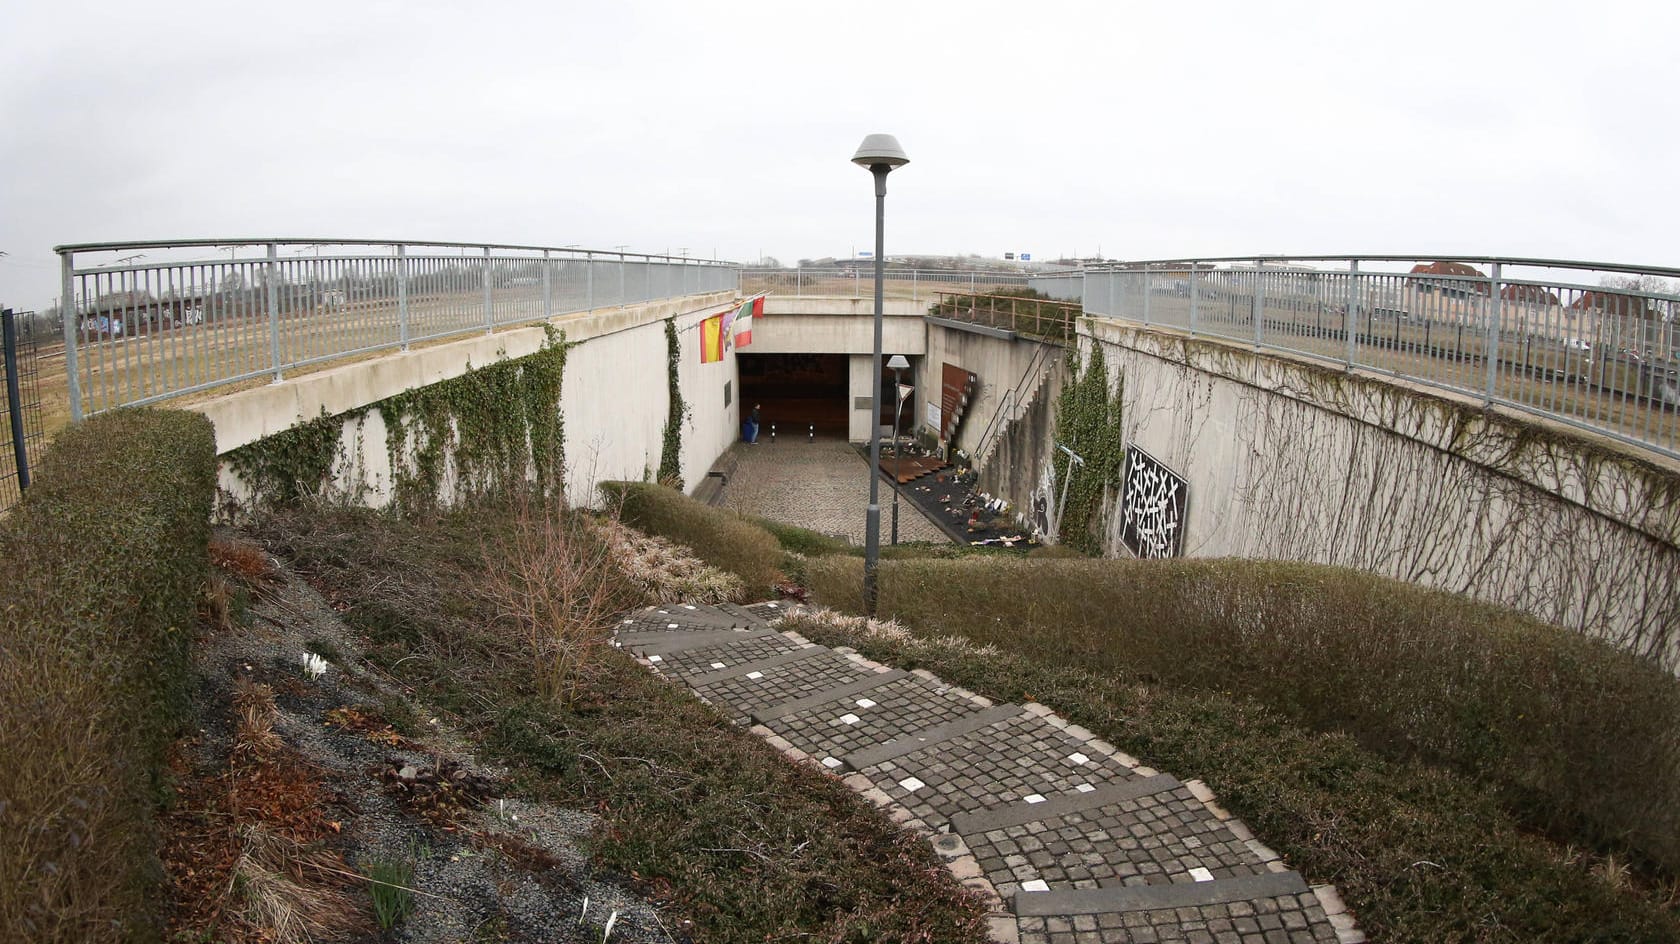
(561, 406)
(1284, 459)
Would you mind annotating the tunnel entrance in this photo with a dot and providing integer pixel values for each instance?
(795, 391)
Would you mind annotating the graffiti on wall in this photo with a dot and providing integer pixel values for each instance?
(1152, 505)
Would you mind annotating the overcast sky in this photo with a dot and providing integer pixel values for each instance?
(1140, 130)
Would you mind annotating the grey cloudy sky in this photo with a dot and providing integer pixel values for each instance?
(1148, 130)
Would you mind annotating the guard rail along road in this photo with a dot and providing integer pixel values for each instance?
(1594, 345)
(152, 320)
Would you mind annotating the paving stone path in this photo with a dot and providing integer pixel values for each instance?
(822, 485)
(1072, 841)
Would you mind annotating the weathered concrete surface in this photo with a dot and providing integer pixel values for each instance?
(1294, 460)
(823, 486)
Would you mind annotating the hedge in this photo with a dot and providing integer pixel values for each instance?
(1577, 737)
(106, 559)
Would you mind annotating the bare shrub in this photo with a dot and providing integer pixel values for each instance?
(552, 577)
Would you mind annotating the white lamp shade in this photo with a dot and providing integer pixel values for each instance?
(880, 149)
(898, 363)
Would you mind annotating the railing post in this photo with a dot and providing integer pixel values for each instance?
(589, 280)
(402, 295)
(1257, 312)
(14, 398)
(1350, 317)
(1146, 294)
(273, 293)
(1492, 349)
(914, 299)
(623, 290)
(1192, 299)
(489, 319)
(799, 282)
(548, 286)
(67, 315)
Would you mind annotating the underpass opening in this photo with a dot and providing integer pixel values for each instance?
(796, 392)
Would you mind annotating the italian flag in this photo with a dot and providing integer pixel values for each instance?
(743, 322)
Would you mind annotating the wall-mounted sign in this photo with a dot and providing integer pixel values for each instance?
(1153, 503)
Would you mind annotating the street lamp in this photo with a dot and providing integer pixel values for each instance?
(898, 365)
(880, 153)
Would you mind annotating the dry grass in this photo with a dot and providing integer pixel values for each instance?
(254, 713)
(291, 893)
(242, 559)
(663, 571)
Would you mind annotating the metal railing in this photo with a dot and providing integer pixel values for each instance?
(917, 285)
(1012, 405)
(20, 402)
(1594, 345)
(1042, 318)
(180, 322)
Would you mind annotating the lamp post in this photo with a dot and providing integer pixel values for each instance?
(897, 363)
(880, 153)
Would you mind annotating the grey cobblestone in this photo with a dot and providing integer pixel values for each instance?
(1002, 763)
(739, 696)
(1162, 837)
(899, 707)
(823, 486)
(708, 658)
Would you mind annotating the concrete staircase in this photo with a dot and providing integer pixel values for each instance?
(1072, 840)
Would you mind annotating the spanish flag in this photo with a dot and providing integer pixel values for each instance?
(711, 340)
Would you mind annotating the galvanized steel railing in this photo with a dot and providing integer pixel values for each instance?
(917, 285)
(178, 322)
(1591, 344)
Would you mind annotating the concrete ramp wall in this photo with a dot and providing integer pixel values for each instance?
(614, 400)
(1292, 460)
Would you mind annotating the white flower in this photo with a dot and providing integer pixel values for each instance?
(612, 920)
(315, 665)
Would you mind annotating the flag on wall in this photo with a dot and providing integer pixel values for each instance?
(758, 307)
(743, 325)
(711, 340)
(728, 331)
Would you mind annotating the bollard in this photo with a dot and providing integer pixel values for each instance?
(813, 433)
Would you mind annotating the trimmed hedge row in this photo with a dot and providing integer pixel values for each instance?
(721, 538)
(1577, 736)
(106, 563)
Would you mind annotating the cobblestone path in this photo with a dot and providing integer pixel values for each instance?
(822, 485)
(1073, 841)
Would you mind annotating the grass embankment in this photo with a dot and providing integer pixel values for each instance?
(702, 815)
(105, 566)
(1225, 669)
(1449, 765)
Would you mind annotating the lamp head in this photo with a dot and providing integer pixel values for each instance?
(897, 362)
(880, 150)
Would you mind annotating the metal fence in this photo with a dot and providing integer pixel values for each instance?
(917, 285)
(1062, 286)
(20, 402)
(152, 320)
(1593, 345)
